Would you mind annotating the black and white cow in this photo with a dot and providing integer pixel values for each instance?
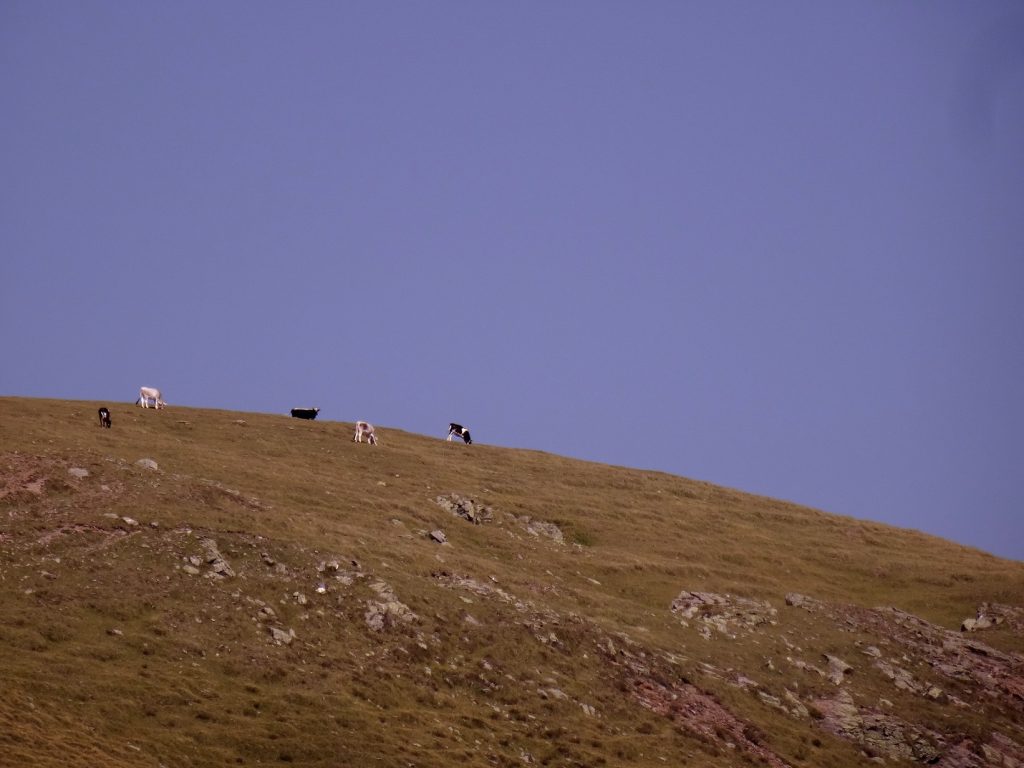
(104, 417)
(457, 430)
(305, 413)
(365, 429)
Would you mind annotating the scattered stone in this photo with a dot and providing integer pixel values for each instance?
(439, 536)
(147, 464)
(191, 570)
(218, 565)
(800, 601)
(130, 521)
(465, 508)
(78, 472)
(552, 693)
(281, 637)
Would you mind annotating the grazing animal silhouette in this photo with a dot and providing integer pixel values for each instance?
(150, 393)
(365, 429)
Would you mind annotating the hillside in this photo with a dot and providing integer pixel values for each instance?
(274, 594)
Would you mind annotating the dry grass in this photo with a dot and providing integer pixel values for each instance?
(114, 655)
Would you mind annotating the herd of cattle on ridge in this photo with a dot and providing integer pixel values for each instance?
(364, 429)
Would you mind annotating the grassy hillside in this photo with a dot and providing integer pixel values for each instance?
(270, 594)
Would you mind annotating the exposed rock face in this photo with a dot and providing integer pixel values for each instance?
(876, 732)
(917, 652)
(729, 614)
(948, 653)
(837, 668)
(699, 713)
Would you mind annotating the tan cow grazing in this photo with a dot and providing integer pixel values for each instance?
(365, 429)
(151, 393)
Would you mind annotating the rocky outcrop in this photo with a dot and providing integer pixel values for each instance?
(467, 509)
(837, 668)
(991, 615)
(387, 611)
(877, 733)
(952, 655)
(541, 528)
(219, 567)
(728, 614)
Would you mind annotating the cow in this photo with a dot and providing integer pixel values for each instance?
(365, 429)
(104, 417)
(150, 393)
(457, 430)
(305, 413)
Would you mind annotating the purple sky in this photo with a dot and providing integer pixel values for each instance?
(777, 246)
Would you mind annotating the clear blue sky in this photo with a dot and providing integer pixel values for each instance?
(777, 246)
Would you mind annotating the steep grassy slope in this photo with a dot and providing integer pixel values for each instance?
(271, 595)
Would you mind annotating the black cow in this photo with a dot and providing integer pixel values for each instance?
(305, 413)
(104, 417)
(457, 430)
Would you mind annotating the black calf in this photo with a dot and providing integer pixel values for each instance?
(104, 418)
(305, 413)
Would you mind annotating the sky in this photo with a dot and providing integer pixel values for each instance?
(774, 246)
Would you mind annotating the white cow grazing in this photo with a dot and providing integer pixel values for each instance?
(151, 393)
(365, 428)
